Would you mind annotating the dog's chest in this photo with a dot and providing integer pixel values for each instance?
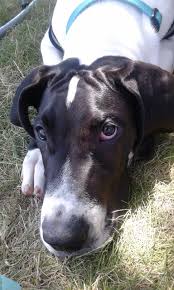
(64, 9)
(111, 28)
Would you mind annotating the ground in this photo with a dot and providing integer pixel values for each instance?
(142, 253)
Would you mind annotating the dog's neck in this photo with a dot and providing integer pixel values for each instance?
(126, 32)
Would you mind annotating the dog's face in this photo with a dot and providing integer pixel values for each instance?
(86, 129)
(85, 132)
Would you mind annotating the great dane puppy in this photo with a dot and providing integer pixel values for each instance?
(105, 89)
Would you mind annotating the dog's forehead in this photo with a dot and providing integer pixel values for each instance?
(83, 97)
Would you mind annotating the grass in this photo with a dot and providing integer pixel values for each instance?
(8, 8)
(142, 253)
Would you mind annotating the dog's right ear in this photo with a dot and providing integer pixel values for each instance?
(30, 91)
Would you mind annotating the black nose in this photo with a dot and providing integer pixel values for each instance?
(69, 235)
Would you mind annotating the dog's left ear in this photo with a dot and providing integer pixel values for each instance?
(150, 91)
(30, 91)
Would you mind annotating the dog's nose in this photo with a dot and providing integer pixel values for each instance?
(69, 235)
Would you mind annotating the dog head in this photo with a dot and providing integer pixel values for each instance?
(90, 121)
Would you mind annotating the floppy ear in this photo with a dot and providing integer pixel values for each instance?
(30, 91)
(151, 93)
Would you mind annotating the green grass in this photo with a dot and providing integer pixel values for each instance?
(142, 253)
(8, 10)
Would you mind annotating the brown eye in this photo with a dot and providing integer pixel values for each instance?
(109, 131)
(41, 133)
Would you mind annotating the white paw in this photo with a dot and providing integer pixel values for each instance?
(33, 178)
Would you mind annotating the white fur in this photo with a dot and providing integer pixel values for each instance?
(72, 90)
(70, 196)
(93, 213)
(33, 178)
(112, 28)
(50, 55)
(130, 157)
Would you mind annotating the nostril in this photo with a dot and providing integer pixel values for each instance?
(66, 236)
(48, 232)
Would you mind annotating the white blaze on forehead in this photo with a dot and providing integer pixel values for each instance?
(72, 90)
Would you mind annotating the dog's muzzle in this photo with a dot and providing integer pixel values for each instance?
(65, 235)
(71, 226)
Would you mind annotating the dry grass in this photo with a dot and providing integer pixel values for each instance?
(142, 254)
(8, 8)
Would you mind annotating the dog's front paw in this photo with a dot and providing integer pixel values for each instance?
(33, 178)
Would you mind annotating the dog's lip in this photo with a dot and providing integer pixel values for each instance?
(80, 253)
(83, 252)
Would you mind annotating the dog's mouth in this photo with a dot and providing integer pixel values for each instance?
(92, 246)
(87, 250)
(73, 227)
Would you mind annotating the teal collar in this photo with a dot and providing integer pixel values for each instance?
(153, 13)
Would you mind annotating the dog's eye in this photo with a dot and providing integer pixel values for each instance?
(109, 130)
(41, 133)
